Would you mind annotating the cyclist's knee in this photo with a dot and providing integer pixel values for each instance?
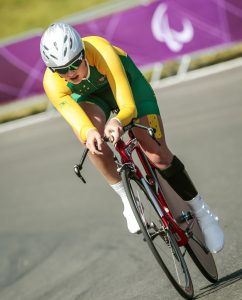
(160, 155)
(162, 159)
(95, 114)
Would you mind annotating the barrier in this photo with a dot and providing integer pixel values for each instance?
(151, 32)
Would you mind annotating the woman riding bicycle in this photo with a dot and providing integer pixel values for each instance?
(88, 78)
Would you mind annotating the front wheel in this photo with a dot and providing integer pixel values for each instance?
(159, 238)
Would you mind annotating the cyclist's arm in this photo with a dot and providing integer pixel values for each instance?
(60, 95)
(107, 61)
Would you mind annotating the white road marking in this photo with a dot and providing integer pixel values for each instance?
(30, 120)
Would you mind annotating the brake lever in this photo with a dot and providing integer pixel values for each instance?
(77, 169)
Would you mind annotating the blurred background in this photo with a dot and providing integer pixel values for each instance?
(165, 38)
(21, 16)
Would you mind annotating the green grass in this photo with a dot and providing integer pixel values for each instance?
(17, 16)
(21, 112)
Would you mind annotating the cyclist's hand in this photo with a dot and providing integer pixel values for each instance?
(113, 130)
(94, 141)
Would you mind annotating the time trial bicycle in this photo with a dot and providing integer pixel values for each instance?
(167, 223)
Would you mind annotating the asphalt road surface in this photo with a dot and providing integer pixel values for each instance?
(61, 239)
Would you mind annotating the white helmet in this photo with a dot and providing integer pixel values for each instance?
(59, 44)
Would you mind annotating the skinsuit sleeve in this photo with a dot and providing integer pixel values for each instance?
(60, 95)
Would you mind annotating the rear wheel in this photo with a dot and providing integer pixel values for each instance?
(159, 239)
(203, 259)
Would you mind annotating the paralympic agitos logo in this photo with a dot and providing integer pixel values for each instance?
(164, 33)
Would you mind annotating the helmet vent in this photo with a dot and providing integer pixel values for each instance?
(46, 48)
(45, 55)
(65, 51)
(71, 43)
(55, 44)
(65, 38)
(54, 57)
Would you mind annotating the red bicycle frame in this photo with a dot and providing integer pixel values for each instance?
(125, 150)
(152, 185)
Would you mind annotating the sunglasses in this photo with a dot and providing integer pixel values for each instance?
(72, 66)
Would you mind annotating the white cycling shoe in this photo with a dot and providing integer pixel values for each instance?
(209, 224)
(132, 223)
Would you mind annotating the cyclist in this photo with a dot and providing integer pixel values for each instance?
(88, 78)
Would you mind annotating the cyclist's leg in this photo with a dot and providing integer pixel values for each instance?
(98, 115)
(173, 170)
(160, 155)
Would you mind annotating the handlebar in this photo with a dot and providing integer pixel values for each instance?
(151, 131)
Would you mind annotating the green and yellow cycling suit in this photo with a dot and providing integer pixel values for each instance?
(113, 82)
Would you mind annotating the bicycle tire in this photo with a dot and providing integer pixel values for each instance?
(204, 261)
(167, 243)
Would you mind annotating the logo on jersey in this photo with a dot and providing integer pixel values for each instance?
(102, 79)
(162, 31)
